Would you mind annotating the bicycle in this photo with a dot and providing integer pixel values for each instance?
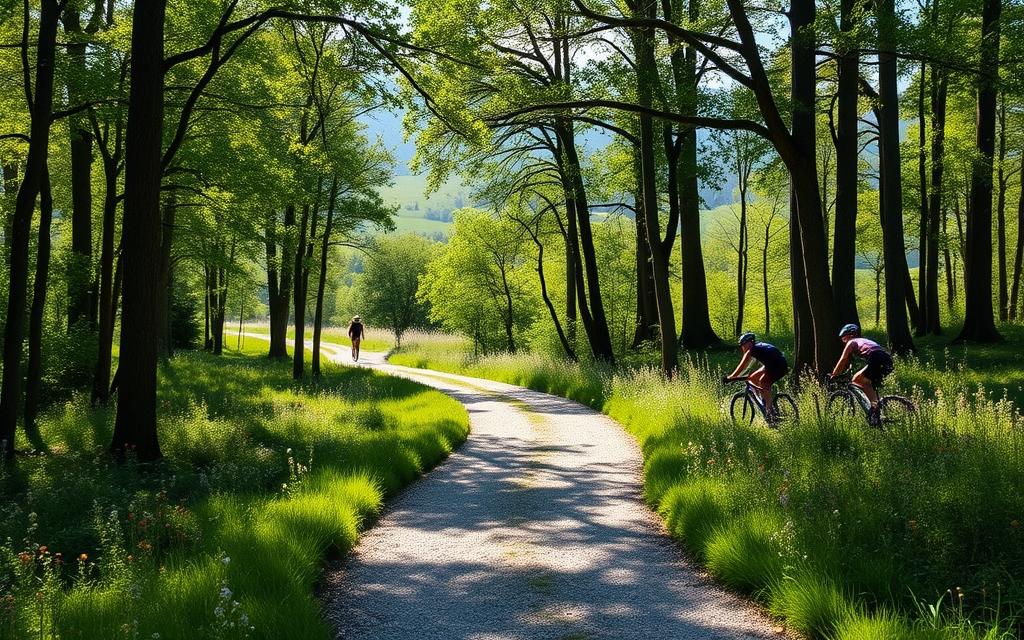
(745, 405)
(845, 397)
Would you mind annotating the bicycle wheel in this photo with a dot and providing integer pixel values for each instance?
(741, 409)
(895, 411)
(785, 410)
(841, 405)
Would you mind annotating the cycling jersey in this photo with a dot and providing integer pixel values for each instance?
(864, 347)
(773, 360)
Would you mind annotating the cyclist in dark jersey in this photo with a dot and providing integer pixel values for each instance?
(773, 366)
(878, 362)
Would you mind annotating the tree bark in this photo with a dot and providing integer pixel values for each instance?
(588, 290)
(893, 238)
(764, 281)
(163, 336)
(1018, 256)
(802, 164)
(135, 428)
(646, 79)
(325, 247)
(80, 293)
(646, 309)
(279, 274)
(930, 296)
(922, 178)
(35, 171)
(107, 301)
(299, 296)
(1001, 180)
(696, 331)
(979, 322)
(844, 244)
(35, 338)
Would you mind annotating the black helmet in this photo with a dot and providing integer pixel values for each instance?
(747, 337)
(848, 329)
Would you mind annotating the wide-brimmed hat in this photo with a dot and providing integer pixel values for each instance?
(356, 318)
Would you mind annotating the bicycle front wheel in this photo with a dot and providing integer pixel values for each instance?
(785, 410)
(741, 409)
(841, 405)
(895, 411)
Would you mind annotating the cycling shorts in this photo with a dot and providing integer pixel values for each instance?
(880, 365)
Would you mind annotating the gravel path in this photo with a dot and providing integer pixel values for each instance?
(534, 528)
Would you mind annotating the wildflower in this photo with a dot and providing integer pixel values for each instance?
(145, 546)
(25, 557)
(225, 593)
(43, 549)
(225, 561)
(912, 524)
(1015, 524)
(83, 557)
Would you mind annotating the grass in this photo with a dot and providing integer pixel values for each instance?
(842, 531)
(263, 479)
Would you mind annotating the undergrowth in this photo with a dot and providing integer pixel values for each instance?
(263, 478)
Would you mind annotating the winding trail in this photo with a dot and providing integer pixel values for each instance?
(535, 528)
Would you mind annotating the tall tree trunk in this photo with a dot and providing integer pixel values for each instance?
(1001, 181)
(279, 275)
(325, 246)
(35, 171)
(764, 281)
(598, 334)
(1018, 256)
(646, 308)
(646, 80)
(844, 244)
(922, 176)
(80, 294)
(135, 426)
(299, 294)
(820, 322)
(35, 337)
(163, 336)
(979, 322)
(930, 297)
(696, 331)
(742, 253)
(950, 271)
(896, 270)
(803, 324)
(107, 301)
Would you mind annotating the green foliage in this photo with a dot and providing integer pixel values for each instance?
(390, 281)
(480, 284)
(226, 538)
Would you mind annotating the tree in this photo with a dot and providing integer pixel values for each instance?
(391, 280)
(979, 322)
(477, 285)
(41, 108)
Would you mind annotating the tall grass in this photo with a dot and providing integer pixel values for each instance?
(843, 531)
(263, 479)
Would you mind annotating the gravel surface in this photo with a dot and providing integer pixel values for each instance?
(534, 528)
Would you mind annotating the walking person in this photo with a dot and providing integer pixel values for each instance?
(355, 334)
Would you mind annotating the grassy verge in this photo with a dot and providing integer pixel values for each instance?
(842, 531)
(226, 538)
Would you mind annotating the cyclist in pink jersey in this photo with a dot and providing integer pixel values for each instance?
(878, 362)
